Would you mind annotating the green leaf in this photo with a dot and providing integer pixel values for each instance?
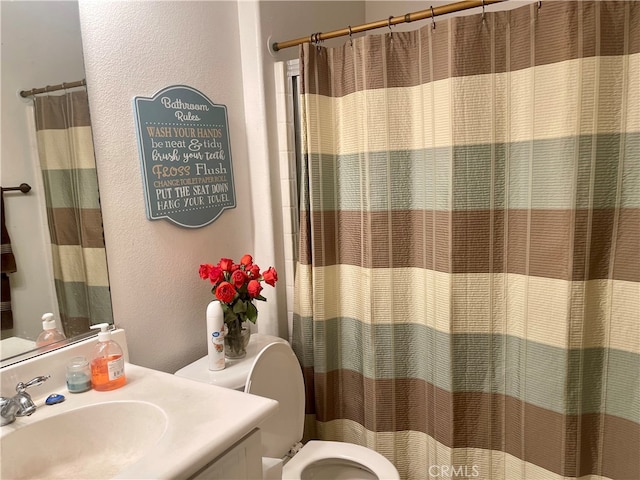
(239, 307)
(229, 316)
(252, 312)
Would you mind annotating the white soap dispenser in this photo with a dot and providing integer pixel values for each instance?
(107, 362)
(50, 333)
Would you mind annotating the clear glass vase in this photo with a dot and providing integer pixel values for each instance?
(236, 339)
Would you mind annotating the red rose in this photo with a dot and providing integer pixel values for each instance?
(270, 276)
(254, 271)
(239, 278)
(254, 288)
(205, 268)
(216, 275)
(246, 260)
(225, 292)
(226, 264)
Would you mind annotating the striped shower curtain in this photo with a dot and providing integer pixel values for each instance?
(65, 149)
(467, 298)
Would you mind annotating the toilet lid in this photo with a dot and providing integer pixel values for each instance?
(276, 374)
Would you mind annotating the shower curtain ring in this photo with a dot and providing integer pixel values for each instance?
(350, 37)
(433, 18)
(483, 12)
(317, 40)
(389, 25)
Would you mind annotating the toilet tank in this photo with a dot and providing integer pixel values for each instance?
(234, 375)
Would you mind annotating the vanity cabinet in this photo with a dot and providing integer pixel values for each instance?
(242, 461)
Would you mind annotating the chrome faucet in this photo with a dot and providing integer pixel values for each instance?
(20, 404)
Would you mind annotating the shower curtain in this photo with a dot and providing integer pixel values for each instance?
(65, 149)
(467, 298)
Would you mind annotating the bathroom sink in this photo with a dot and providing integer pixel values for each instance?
(96, 441)
(156, 426)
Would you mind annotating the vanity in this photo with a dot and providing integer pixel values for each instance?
(158, 425)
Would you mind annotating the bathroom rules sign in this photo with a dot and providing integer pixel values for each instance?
(183, 140)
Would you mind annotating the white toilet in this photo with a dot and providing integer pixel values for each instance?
(276, 374)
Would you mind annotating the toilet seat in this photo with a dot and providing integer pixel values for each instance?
(276, 374)
(371, 462)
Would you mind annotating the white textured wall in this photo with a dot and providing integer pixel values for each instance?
(135, 49)
(138, 48)
(41, 46)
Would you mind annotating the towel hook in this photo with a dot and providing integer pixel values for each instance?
(433, 18)
(24, 188)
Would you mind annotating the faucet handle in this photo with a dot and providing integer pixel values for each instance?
(8, 409)
(34, 382)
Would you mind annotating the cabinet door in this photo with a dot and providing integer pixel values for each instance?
(243, 461)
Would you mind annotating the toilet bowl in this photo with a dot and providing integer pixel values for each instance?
(276, 374)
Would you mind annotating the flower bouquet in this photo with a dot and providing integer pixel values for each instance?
(236, 286)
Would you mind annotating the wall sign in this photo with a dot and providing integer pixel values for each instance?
(183, 140)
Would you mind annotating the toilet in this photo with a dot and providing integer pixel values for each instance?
(276, 374)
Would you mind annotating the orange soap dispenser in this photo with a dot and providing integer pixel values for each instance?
(107, 362)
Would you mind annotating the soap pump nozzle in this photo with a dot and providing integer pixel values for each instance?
(104, 335)
(48, 321)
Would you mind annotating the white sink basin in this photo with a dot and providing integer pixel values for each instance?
(96, 441)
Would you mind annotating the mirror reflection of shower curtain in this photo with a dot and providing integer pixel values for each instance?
(65, 150)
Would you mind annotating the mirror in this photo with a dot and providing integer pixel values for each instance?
(41, 45)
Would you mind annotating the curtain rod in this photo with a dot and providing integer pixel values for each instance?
(409, 17)
(52, 88)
